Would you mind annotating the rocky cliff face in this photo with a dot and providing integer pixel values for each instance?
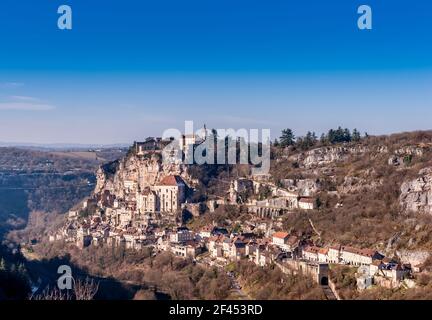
(353, 184)
(413, 257)
(327, 155)
(304, 187)
(144, 171)
(416, 195)
(404, 155)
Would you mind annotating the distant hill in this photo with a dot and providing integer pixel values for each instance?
(61, 146)
(35, 180)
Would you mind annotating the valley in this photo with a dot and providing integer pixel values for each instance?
(352, 214)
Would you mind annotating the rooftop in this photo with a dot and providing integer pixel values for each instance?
(280, 235)
(172, 180)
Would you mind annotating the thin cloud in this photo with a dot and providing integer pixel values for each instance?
(24, 98)
(25, 106)
(8, 85)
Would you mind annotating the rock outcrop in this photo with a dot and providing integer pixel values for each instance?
(304, 187)
(141, 171)
(416, 195)
(353, 184)
(327, 155)
(410, 150)
(413, 257)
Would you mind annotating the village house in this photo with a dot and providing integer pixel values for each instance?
(206, 232)
(73, 214)
(333, 254)
(171, 192)
(358, 257)
(146, 201)
(238, 250)
(364, 278)
(215, 246)
(187, 249)
(84, 237)
(389, 269)
(263, 258)
(162, 244)
(310, 253)
(280, 238)
(182, 234)
(150, 145)
(323, 255)
(286, 243)
(307, 203)
(250, 249)
(266, 255)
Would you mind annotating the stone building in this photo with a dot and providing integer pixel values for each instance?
(171, 193)
(146, 201)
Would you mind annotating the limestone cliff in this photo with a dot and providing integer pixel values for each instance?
(140, 171)
(327, 155)
(416, 195)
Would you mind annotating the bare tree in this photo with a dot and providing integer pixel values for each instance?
(85, 290)
(51, 294)
(82, 290)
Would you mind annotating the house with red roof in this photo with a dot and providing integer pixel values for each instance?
(285, 242)
(170, 193)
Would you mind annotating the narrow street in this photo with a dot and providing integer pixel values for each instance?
(328, 292)
(236, 289)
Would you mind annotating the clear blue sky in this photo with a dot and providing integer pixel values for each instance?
(134, 68)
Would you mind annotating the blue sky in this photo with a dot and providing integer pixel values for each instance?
(130, 69)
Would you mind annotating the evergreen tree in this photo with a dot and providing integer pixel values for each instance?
(287, 138)
(356, 135)
(323, 139)
(308, 141)
(346, 135)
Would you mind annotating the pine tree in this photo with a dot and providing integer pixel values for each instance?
(356, 135)
(323, 139)
(287, 138)
(346, 135)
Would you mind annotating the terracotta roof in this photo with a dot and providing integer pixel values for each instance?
(368, 252)
(280, 235)
(171, 181)
(312, 249)
(323, 251)
(307, 200)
